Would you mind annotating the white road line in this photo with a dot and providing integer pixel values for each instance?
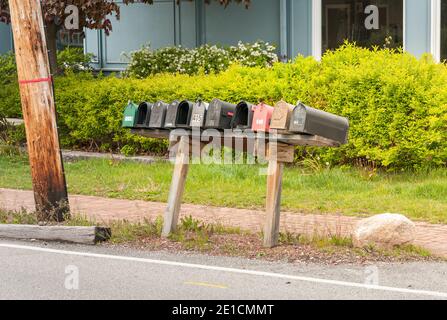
(230, 270)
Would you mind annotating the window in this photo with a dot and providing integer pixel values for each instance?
(443, 30)
(368, 23)
(69, 39)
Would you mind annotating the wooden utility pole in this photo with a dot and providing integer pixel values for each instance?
(39, 111)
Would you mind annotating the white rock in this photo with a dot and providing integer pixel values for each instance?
(384, 231)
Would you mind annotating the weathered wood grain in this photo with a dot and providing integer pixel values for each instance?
(277, 148)
(39, 111)
(246, 137)
(273, 203)
(81, 235)
(177, 187)
(280, 152)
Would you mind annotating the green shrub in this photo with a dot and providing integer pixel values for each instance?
(70, 60)
(206, 59)
(90, 114)
(74, 60)
(7, 67)
(9, 89)
(397, 104)
(11, 137)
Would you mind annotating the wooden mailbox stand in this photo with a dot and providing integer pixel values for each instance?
(280, 151)
(278, 154)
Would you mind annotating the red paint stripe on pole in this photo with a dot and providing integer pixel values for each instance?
(50, 79)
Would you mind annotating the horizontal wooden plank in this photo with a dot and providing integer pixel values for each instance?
(82, 235)
(280, 152)
(242, 136)
(148, 133)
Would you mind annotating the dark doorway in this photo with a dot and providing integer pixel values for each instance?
(351, 20)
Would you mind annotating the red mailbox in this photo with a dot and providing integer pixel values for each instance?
(262, 117)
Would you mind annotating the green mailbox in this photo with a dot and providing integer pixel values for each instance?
(130, 115)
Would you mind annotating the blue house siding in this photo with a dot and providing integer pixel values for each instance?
(236, 23)
(187, 27)
(7, 42)
(300, 27)
(286, 23)
(5, 38)
(132, 31)
(190, 24)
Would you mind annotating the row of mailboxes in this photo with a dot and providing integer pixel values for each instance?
(284, 118)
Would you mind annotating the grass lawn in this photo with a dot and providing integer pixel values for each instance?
(420, 196)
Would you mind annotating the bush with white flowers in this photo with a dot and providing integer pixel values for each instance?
(73, 59)
(205, 59)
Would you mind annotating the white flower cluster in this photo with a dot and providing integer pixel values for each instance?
(76, 67)
(73, 59)
(206, 59)
(257, 54)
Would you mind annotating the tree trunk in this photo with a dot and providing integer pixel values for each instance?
(51, 35)
(39, 110)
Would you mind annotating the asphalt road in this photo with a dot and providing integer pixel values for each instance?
(32, 270)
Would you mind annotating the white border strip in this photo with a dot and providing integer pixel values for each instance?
(317, 29)
(230, 270)
(435, 34)
(404, 25)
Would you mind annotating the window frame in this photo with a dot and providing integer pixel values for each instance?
(317, 27)
(435, 34)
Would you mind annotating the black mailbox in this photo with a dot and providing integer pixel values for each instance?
(243, 117)
(158, 115)
(179, 115)
(198, 115)
(219, 115)
(184, 114)
(319, 123)
(144, 115)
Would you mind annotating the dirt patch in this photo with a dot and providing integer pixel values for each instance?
(250, 246)
(196, 236)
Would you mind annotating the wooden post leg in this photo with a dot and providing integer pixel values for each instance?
(278, 154)
(177, 187)
(273, 205)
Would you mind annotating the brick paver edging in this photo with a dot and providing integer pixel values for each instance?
(430, 236)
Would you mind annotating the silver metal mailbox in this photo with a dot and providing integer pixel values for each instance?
(179, 115)
(158, 115)
(171, 115)
(198, 115)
